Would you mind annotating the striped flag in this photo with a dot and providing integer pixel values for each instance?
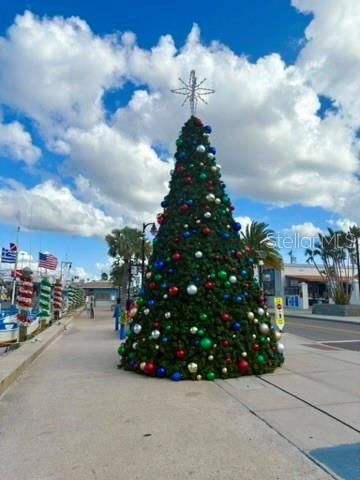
(18, 275)
(13, 247)
(7, 256)
(46, 260)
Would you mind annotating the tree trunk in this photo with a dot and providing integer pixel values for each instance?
(124, 285)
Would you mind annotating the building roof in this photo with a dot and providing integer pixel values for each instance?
(98, 285)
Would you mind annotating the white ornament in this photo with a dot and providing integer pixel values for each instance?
(210, 197)
(198, 377)
(211, 358)
(207, 214)
(232, 279)
(157, 347)
(192, 289)
(186, 225)
(155, 334)
(134, 345)
(198, 221)
(218, 166)
(146, 311)
(198, 254)
(211, 156)
(148, 275)
(254, 336)
(264, 328)
(167, 315)
(280, 347)
(250, 316)
(256, 320)
(260, 311)
(213, 168)
(224, 370)
(137, 328)
(142, 365)
(193, 330)
(201, 164)
(200, 148)
(244, 354)
(165, 296)
(277, 335)
(217, 201)
(192, 367)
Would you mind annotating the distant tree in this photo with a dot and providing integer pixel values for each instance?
(116, 275)
(104, 277)
(261, 239)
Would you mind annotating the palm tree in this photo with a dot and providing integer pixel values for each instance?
(125, 245)
(261, 239)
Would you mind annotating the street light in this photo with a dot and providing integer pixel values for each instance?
(262, 256)
(153, 231)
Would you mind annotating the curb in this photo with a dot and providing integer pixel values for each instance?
(13, 365)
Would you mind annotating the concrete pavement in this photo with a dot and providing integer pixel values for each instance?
(297, 313)
(74, 415)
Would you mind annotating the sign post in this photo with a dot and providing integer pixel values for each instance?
(279, 313)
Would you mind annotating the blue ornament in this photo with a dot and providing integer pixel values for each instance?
(151, 303)
(176, 376)
(189, 202)
(238, 299)
(227, 297)
(141, 293)
(164, 203)
(132, 363)
(246, 294)
(250, 261)
(212, 150)
(171, 271)
(194, 232)
(186, 235)
(237, 226)
(164, 286)
(181, 155)
(161, 372)
(226, 235)
(244, 273)
(235, 326)
(159, 265)
(198, 280)
(196, 342)
(207, 129)
(165, 340)
(194, 142)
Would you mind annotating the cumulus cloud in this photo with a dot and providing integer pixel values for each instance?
(343, 224)
(16, 143)
(52, 208)
(306, 229)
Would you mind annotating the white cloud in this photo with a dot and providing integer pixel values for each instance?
(16, 143)
(306, 229)
(52, 208)
(343, 224)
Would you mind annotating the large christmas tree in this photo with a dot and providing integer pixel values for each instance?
(200, 313)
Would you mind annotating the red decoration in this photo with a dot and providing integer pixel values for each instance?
(161, 218)
(226, 317)
(180, 169)
(157, 325)
(226, 343)
(188, 180)
(198, 122)
(150, 369)
(207, 207)
(173, 291)
(184, 208)
(206, 231)
(234, 270)
(243, 366)
(176, 256)
(57, 302)
(176, 239)
(248, 248)
(181, 354)
(238, 254)
(152, 285)
(217, 257)
(210, 188)
(256, 347)
(228, 361)
(209, 285)
(24, 299)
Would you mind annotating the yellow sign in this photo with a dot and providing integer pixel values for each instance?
(279, 313)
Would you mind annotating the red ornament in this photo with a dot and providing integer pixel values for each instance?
(209, 285)
(180, 169)
(198, 122)
(234, 270)
(184, 208)
(210, 188)
(173, 291)
(207, 207)
(152, 285)
(161, 218)
(188, 180)
(238, 254)
(256, 347)
(176, 239)
(226, 317)
(206, 231)
(176, 256)
(150, 369)
(248, 248)
(217, 257)
(243, 366)
(226, 259)
(181, 354)
(157, 325)
(226, 343)
(210, 182)
(228, 361)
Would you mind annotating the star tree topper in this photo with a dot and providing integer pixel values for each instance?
(193, 91)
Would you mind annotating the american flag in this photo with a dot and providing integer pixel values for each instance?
(7, 256)
(46, 260)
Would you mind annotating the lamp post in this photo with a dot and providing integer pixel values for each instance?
(153, 231)
(262, 255)
(63, 266)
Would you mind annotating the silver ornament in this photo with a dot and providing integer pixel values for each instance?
(201, 164)
(207, 214)
(137, 328)
(167, 315)
(192, 289)
(211, 156)
(155, 334)
(186, 225)
(244, 354)
(277, 335)
(198, 254)
(224, 370)
(134, 345)
(148, 275)
(198, 377)
(193, 330)
(280, 347)
(157, 347)
(213, 168)
(232, 279)
(210, 197)
(200, 148)
(264, 328)
(198, 221)
(165, 296)
(211, 358)
(250, 316)
(146, 311)
(256, 320)
(142, 365)
(254, 336)
(260, 311)
(218, 166)
(192, 367)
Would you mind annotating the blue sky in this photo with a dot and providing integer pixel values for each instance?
(79, 98)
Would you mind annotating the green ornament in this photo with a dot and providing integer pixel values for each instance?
(140, 301)
(179, 142)
(200, 332)
(226, 199)
(212, 276)
(158, 277)
(227, 284)
(191, 165)
(211, 376)
(203, 176)
(121, 350)
(260, 359)
(222, 274)
(203, 317)
(168, 328)
(262, 340)
(223, 211)
(206, 343)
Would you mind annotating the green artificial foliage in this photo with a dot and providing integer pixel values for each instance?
(200, 314)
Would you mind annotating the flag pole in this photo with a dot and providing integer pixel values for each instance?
(15, 267)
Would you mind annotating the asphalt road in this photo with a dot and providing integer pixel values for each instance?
(339, 334)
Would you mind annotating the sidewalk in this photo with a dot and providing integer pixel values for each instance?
(297, 313)
(76, 416)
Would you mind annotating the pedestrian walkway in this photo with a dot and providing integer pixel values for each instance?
(292, 312)
(73, 415)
